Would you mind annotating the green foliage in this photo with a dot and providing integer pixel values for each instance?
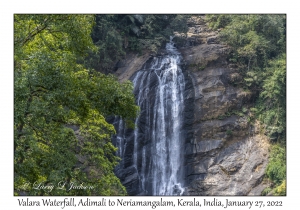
(221, 117)
(151, 45)
(158, 25)
(201, 68)
(116, 35)
(271, 105)
(237, 112)
(276, 169)
(109, 42)
(157, 29)
(198, 66)
(266, 191)
(258, 47)
(51, 93)
(281, 189)
(254, 38)
(218, 21)
(179, 24)
(229, 132)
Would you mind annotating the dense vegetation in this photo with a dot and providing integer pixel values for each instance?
(61, 103)
(116, 35)
(258, 45)
(51, 93)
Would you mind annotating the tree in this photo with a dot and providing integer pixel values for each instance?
(52, 95)
(254, 38)
(271, 103)
(115, 35)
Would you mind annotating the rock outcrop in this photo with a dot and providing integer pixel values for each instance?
(130, 64)
(224, 153)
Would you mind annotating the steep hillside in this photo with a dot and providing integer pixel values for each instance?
(224, 154)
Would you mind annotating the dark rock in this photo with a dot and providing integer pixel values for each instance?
(212, 40)
(129, 178)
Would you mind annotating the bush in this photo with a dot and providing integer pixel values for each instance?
(281, 189)
(266, 191)
(229, 132)
(276, 169)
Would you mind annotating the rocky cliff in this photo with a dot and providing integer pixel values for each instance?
(224, 152)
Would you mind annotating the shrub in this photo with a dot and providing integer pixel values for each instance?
(276, 169)
(229, 132)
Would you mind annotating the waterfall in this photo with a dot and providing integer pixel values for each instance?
(152, 153)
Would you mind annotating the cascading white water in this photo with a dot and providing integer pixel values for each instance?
(157, 138)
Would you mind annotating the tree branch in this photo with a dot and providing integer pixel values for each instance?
(36, 31)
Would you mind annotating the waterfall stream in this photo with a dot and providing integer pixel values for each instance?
(152, 153)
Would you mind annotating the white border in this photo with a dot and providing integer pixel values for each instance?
(7, 9)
